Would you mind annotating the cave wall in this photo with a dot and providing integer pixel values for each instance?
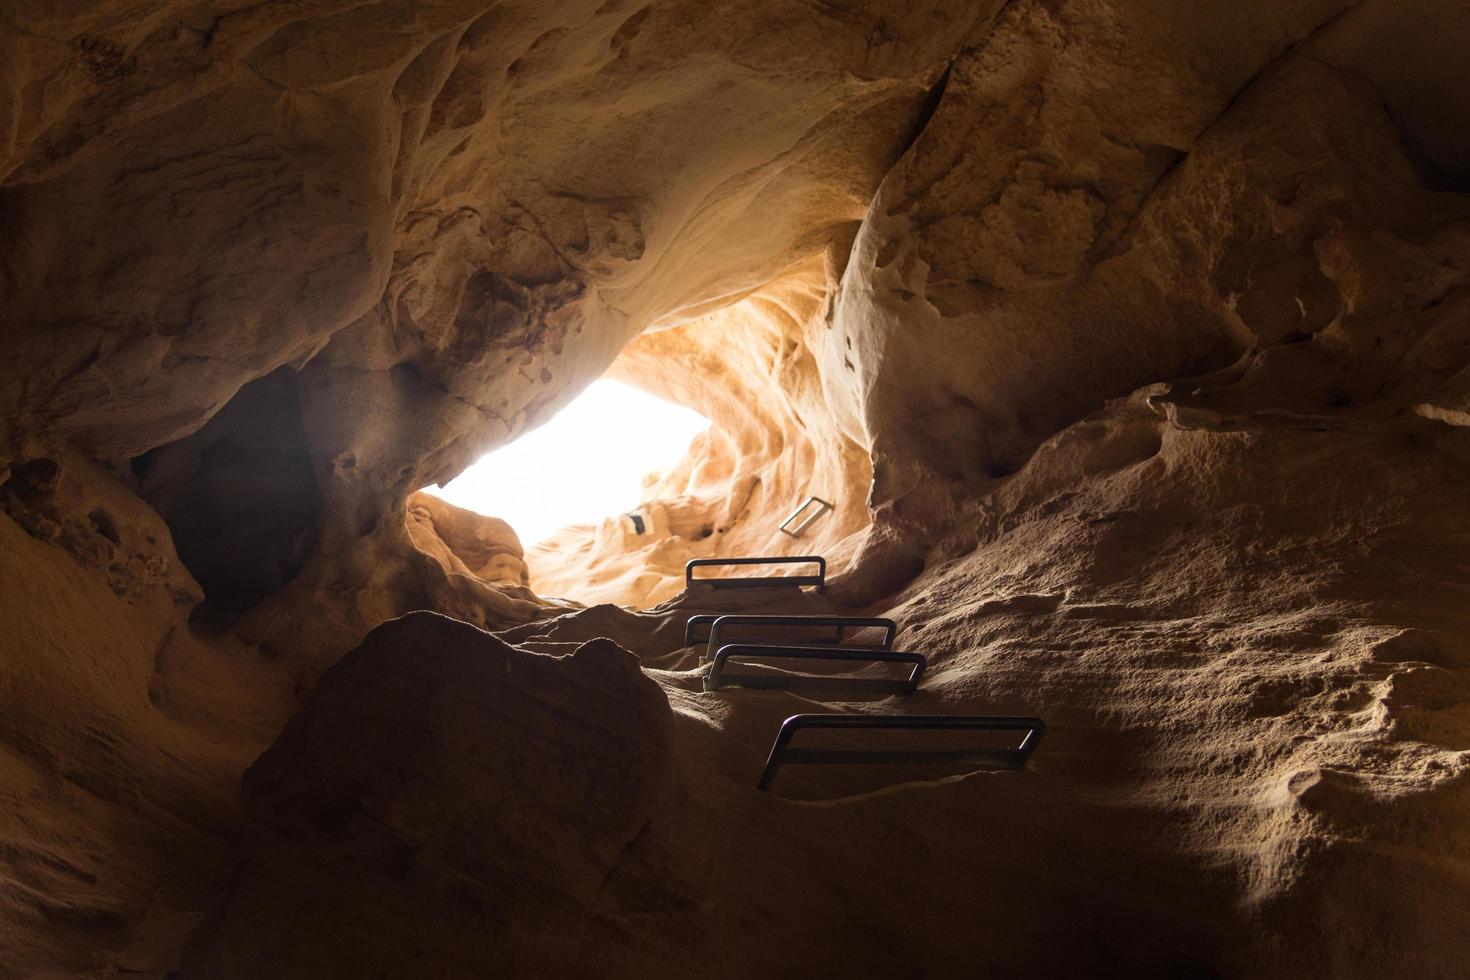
(1079, 217)
(411, 206)
(1132, 340)
(1206, 189)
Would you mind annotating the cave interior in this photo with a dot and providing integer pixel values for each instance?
(1113, 357)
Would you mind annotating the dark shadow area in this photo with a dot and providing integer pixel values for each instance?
(239, 495)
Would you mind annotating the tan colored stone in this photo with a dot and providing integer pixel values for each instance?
(1129, 339)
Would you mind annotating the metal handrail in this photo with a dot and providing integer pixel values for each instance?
(1011, 759)
(823, 507)
(759, 581)
(721, 623)
(781, 680)
(708, 619)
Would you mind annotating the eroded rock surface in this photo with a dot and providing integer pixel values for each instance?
(468, 543)
(443, 794)
(1130, 339)
(1256, 734)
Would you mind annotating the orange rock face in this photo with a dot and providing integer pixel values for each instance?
(1130, 341)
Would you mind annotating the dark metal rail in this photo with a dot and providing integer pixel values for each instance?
(839, 625)
(759, 581)
(784, 624)
(784, 681)
(782, 753)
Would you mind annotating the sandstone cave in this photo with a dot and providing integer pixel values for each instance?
(1128, 340)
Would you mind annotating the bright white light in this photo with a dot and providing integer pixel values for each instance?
(585, 464)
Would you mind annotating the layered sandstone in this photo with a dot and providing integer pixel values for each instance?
(1130, 340)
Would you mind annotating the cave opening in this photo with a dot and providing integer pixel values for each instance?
(593, 460)
(701, 439)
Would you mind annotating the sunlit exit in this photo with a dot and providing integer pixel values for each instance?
(585, 464)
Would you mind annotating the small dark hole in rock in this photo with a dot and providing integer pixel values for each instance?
(104, 526)
(34, 477)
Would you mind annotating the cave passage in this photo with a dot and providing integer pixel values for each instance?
(588, 462)
(370, 608)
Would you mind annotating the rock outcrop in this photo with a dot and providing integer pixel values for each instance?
(466, 543)
(552, 769)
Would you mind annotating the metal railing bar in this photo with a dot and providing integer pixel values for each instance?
(823, 507)
(759, 581)
(720, 624)
(1016, 758)
(779, 679)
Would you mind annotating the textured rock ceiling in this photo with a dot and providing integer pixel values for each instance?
(1130, 337)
